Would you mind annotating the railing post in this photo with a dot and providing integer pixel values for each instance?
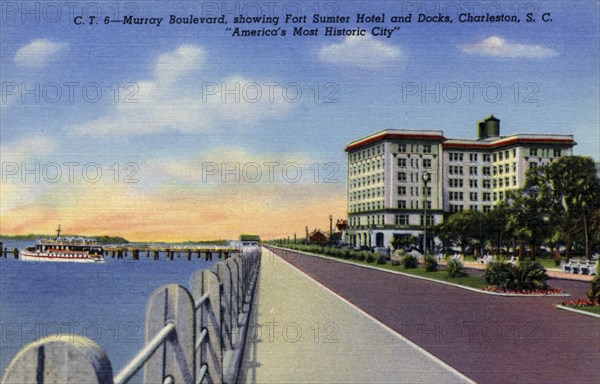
(62, 359)
(175, 358)
(225, 293)
(208, 317)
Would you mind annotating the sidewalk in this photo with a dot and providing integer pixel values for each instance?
(303, 333)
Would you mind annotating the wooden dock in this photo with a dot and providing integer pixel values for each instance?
(154, 252)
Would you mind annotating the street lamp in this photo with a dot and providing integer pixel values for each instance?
(426, 179)
(330, 227)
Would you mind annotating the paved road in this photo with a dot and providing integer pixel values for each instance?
(491, 339)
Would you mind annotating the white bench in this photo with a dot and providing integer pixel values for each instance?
(572, 266)
(588, 266)
(512, 261)
(486, 259)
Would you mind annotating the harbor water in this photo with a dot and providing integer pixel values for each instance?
(103, 302)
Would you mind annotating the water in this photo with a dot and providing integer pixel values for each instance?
(104, 302)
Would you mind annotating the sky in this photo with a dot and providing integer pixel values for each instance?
(187, 132)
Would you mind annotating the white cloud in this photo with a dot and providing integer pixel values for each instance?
(360, 51)
(179, 98)
(498, 47)
(174, 64)
(38, 53)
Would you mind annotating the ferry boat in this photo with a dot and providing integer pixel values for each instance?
(64, 249)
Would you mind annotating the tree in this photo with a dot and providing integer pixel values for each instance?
(459, 228)
(568, 194)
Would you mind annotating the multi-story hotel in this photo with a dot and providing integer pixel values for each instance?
(401, 182)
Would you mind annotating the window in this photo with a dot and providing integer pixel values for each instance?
(456, 196)
(507, 154)
(473, 157)
(473, 196)
(557, 153)
(427, 148)
(401, 219)
(487, 208)
(486, 196)
(472, 170)
(473, 183)
(454, 156)
(401, 176)
(514, 180)
(428, 204)
(532, 164)
(455, 208)
(455, 183)
(402, 163)
(427, 191)
(486, 184)
(401, 191)
(486, 171)
(533, 151)
(486, 158)
(500, 156)
(430, 220)
(473, 207)
(401, 147)
(426, 163)
(401, 204)
(506, 168)
(495, 157)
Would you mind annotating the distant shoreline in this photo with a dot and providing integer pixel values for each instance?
(106, 239)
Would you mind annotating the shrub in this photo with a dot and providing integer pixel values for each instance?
(370, 258)
(361, 256)
(455, 269)
(594, 292)
(499, 274)
(526, 275)
(395, 263)
(431, 264)
(381, 260)
(410, 262)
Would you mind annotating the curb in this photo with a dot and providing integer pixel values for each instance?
(566, 308)
(425, 278)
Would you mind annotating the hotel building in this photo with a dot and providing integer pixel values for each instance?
(401, 182)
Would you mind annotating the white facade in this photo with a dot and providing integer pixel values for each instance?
(388, 195)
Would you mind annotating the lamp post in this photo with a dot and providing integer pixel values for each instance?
(330, 227)
(307, 239)
(426, 178)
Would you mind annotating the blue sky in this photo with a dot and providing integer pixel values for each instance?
(443, 76)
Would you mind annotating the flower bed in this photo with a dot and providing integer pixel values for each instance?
(555, 291)
(581, 303)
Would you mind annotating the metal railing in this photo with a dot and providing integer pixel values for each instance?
(193, 335)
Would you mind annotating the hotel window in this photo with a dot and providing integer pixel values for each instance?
(507, 154)
(557, 153)
(506, 168)
(473, 207)
(414, 163)
(500, 183)
(514, 180)
(473, 157)
(486, 171)
(456, 183)
(507, 181)
(486, 158)
(473, 183)
(430, 221)
(472, 170)
(426, 163)
(402, 163)
(428, 203)
(401, 176)
(501, 195)
(495, 183)
(500, 156)
(401, 191)
(487, 208)
(401, 147)
(533, 152)
(427, 148)
(494, 157)
(532, 165)
(514, 152)
(401, 204)
(401, 219)
(473, 196)
(494, 170)
(495, 196)
(486, 184)
(427, 191)
(514, 167)
(486, 196)
(453, 156)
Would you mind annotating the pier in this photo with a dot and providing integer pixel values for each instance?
(154, 252)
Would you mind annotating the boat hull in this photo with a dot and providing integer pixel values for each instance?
(65, 258)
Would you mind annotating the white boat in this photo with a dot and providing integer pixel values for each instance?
(64, 249)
